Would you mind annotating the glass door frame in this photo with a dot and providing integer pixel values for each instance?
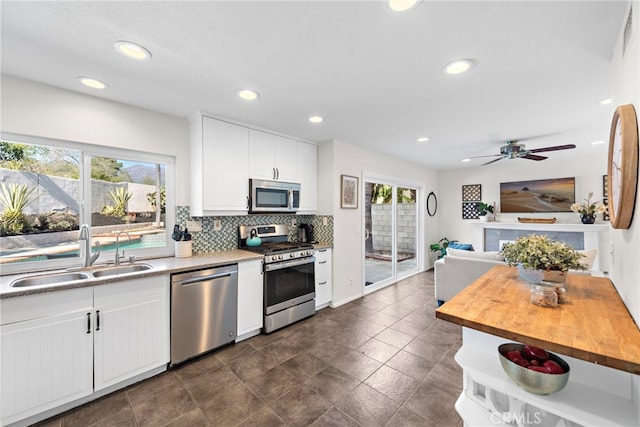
(395, 183)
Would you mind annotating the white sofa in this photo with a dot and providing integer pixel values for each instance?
(459, 268)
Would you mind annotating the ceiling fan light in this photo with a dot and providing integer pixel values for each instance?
(458, 67)
(316, 119)
(132, 50)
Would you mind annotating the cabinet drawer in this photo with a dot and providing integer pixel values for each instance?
(28, 307)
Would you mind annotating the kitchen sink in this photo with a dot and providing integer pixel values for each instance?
(121, 269)
(49, 279)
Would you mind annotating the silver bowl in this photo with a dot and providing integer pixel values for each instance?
(533, 381)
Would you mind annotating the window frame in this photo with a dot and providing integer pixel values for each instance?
(87, 151)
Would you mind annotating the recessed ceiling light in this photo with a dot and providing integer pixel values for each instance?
(402, 5)
(597, 142)
(316, 119)
(248, 94)
(457, 67)
(605, 101)
(422, 139)
(92, 83)
(466, 160)
(132, 50)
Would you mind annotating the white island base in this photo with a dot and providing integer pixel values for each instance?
(595, 395)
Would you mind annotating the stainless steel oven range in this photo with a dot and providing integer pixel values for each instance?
(289, 274)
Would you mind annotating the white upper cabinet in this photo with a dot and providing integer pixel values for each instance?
(308, 176)
(219, 167)
(272, 157)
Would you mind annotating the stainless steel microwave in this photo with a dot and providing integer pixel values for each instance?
(273, 196)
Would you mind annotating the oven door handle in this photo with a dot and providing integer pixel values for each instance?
(287, 264)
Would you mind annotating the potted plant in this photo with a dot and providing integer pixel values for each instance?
(441, 246)
(540, 258)
(485, 211)
(588, 210)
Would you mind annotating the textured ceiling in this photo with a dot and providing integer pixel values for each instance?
(375, 76)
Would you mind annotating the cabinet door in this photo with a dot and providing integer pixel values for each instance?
(131, 329)
(46, 362)
(286, 156)
(323, 277)
(250, 294)
(308, 176)
(225, 166)
(262, 149)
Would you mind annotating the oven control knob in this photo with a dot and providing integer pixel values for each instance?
(292, 255)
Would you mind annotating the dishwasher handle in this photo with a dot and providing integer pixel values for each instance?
(199, 279)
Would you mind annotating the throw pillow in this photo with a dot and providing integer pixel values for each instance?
(589, 258)
(490, 256)
(462, 246)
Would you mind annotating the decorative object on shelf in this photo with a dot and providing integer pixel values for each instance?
(536, 220)
(622, 167)
(534, 369)
(348, 192)
(588, 209)
(471, 193)
(541, 259)
(540, 195)
(485, 211)
(432, 204)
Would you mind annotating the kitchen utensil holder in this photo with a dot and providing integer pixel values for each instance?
(183, 249)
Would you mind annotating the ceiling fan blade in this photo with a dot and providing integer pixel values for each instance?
(489, 155)
(533, 157)
(554, 148)
(493, 161)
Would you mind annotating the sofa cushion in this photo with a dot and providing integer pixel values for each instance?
(491, 256)
(461, 246)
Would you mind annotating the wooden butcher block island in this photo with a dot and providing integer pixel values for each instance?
(593, 332)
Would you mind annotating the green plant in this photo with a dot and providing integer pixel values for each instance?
(151, 198)
(587, 207)
(120, 197)
(15, 197)
(441, 246)
(484, 208)
(541, 253)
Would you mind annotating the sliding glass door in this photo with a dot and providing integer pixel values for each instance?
(391, 230)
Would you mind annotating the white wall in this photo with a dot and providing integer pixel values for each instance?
(625, 268)
(587, 170)
(340, 158)
(35, 109)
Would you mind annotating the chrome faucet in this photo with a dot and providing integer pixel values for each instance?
(116, 259)
(85, 253)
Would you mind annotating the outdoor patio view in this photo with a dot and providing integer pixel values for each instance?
(42, 194)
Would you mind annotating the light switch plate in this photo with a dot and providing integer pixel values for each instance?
(325, 220)
(217, 225)
(194, 225)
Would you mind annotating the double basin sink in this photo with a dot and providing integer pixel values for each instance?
(65, 277)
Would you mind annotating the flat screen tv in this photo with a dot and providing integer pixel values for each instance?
(541, 195)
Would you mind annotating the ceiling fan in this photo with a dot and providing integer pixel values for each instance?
(514, 150)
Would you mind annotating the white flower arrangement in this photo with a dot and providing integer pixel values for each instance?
(587, 207)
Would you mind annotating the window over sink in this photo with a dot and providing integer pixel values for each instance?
(48, 188)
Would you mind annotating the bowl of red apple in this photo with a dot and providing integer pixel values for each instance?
(534, 369)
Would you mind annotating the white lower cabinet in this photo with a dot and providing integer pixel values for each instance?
(58, 347)
(323, 277)
(250, 298)
(47, 357)
(131, 334)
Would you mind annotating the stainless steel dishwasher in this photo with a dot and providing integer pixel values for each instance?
(203, 311)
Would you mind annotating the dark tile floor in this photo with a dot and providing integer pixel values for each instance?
(382, 360)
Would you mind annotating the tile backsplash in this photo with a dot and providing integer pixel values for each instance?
(209, 240)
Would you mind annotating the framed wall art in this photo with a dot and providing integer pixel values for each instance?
(348, 192)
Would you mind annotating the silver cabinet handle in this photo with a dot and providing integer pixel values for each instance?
(323, 283)
(366, 234)
(322, 262)
(194, 280)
